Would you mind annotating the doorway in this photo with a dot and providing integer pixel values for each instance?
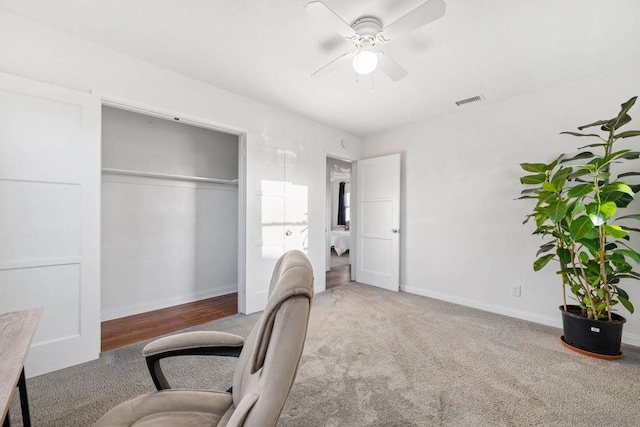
(339, 248)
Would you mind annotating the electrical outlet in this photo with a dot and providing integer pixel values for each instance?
(515, 290)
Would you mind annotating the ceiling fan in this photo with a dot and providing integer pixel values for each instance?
(368, 32)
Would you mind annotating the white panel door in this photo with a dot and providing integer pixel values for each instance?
(50, 217)
(265, 218)
(378, 222)
(277, 213)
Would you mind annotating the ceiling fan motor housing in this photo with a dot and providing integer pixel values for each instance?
(367, 26)
(368, 32)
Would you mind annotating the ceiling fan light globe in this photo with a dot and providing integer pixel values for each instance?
(365, 62)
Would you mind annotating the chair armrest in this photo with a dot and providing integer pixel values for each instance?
(188, 344)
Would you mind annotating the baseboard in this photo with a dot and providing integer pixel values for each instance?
(130, 310)
(631, 339)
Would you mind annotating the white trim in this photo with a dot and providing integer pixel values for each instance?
(136, 107)
(351, 159)
(631, 339)
(242, 223)
(130, 310)
(505, 311)
(37, 263)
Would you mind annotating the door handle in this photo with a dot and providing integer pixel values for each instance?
(288, 233)
(395, 230)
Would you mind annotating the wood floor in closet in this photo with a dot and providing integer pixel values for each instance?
(132, 329)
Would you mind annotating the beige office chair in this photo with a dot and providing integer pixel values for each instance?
(267, 364)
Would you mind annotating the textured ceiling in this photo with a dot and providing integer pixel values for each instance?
(267, 49)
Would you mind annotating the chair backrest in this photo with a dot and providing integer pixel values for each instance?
(269, 360)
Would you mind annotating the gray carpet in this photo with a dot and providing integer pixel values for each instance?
(378, 358)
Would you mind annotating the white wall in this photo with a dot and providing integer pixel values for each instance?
(37, 52)
(463, 238)
(166, 241)
(139, 142)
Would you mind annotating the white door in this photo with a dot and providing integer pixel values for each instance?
(277, 213)
(265, 219)
(50, 217)
(378, 222)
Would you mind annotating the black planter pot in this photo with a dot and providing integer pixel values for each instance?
(600, 337)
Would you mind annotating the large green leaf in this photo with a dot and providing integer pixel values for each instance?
(578, 208)
(556, 211)
(534, 167)
(630, 254)
(579, 134)
(546, 248)
(601, 212)
(564, 255)
(622, 175)
(582, 155)
(632, 155)
(608, 158)
(561, 176)
(621, 119)
(533, 179)
(637, 230)
(598, 144)
(621, 291)
(615, 231)
(616, 123)
(598, 123)
(577, 174)
(542, 261)
(580, 227)
(624, 200)
(628, 134)
(580, 190)
(612, 197)
(584, 257)
(617, 186)
(626, 303)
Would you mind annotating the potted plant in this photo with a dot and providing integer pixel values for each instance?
(579, 212)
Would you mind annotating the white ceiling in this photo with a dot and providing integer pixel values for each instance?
(267, 49)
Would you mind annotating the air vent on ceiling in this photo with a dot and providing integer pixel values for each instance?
(469, 100)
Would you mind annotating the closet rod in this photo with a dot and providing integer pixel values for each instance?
(169, 176)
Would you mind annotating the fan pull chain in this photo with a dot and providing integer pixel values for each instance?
(372, 91)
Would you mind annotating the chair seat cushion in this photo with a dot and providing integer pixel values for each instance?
(169, 408)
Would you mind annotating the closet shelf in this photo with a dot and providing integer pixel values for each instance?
(169, 176)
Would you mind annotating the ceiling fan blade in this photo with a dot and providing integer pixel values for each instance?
(421, 15)
(331, 66)
(329, 18)
(391, 67)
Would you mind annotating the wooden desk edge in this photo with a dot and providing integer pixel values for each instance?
(27, 321)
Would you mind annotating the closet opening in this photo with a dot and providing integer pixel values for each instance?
(170, 227)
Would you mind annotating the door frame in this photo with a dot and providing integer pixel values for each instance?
(352, 244)
(155, 111)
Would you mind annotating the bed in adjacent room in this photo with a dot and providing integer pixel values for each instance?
(340, 241)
